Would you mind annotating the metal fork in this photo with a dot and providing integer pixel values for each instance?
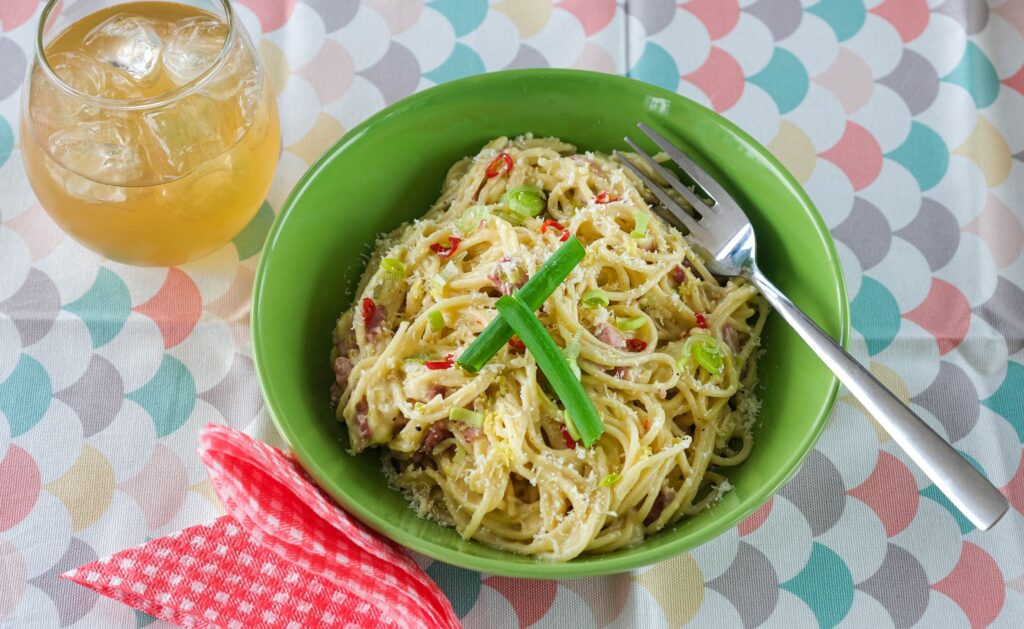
(725, 233)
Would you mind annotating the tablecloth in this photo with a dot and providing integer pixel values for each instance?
(903, 119)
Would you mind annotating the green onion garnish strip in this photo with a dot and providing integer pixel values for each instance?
(572, 353)
(570, 427)
(466, 416)
(394, 267)
(706, 350)
(537, 289)
(595, 299)
(552, 363)
(436, 320)
(629, 323)
(470, 219)
(420, 358)
(611, 479)
(640, 230)
(439, 281)
(512, 218)
(527, 201)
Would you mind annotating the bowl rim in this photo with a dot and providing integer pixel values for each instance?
(592, 565)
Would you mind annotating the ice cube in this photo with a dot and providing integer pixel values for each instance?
(238, 80)
(83, 189)
(52, 108)
(130, 43)
(90, 76)
(106, 151)
(83, 73)
(192, 47)
(184, 135)
(201, 193)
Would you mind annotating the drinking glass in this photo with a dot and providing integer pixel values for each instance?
(149, 130)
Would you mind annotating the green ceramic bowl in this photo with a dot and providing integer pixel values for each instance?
(389, 170)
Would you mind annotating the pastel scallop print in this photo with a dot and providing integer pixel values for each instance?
(271, 13)
(845, 18)
(53, 457)
(497, 43)
(880, 46)
(609, 599)
(721, 78)
(47, 513)
(562, 37)
(132, 425)
(852, 429)
(786, 561)
(814, 43)
(908, 17)
(685, 40)
(308, 21)
(1000, 436)
(896, 116)
(865, 554)
(750, 43)
(679, 603)
(37, 229)
(823, 131)
(755, 111)
(159, 487)
(16, 259)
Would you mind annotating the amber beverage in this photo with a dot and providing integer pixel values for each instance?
(149, 131)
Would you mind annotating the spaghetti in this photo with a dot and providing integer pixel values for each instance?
(665, 351)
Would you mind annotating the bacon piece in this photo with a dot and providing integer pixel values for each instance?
(342, 370)
(363, 419)
(506, 276)
(608, 335)
(434, 391)
(373, 324)
(469, 433)
(731, 337)
(665, 496)
(678, 274)
(623, 373)
(345, 344)
(436, 433)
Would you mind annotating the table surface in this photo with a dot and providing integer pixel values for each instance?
(905, 124)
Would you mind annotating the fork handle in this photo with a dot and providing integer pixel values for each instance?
(972, 493)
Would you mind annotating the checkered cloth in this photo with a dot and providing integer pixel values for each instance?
(285, 556)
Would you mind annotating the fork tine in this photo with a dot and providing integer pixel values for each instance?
(690, 196)
(698, 174)
(696, 230)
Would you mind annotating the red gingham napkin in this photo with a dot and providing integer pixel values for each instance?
(285, 556)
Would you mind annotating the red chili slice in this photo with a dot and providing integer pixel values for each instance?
(702, 321)
(555, 225)
(516, 344)
(605, 197)
(369, 309)
(435, 365)
(552, 223)
(494, 168)
(446, 252)
(636, 345)
(569, 441)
